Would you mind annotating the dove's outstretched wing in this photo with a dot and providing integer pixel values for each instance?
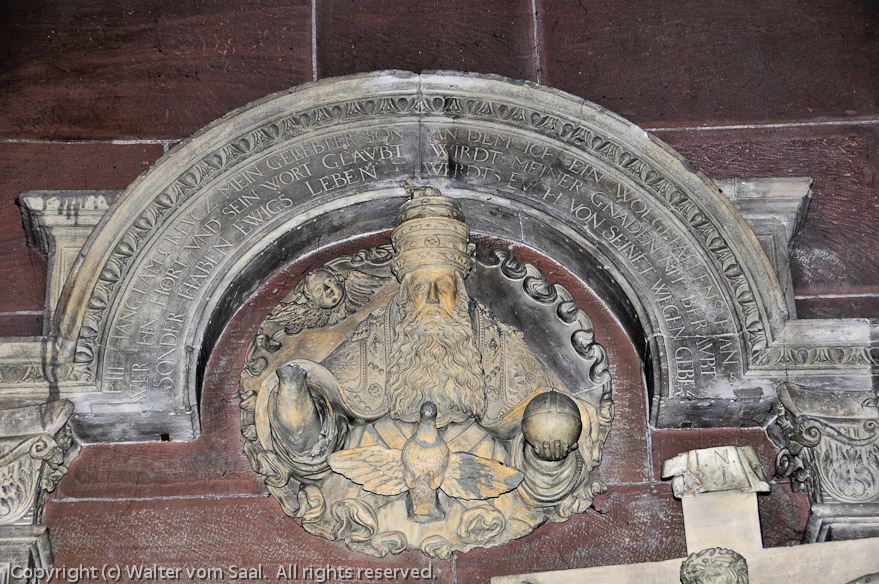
(376, 468)
(473, 477)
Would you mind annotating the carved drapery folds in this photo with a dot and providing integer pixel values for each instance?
(831, 452)
(35, 444)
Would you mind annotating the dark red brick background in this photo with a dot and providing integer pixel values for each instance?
(92, 92)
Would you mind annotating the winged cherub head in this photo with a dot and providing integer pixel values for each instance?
(325, 298)
(324, 287)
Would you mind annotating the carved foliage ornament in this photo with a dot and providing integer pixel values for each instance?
(33, 443)
(833, 458)
(389, 408)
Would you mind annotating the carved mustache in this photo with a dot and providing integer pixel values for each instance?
(426, 310)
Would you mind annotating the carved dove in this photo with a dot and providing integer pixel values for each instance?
(423, 466)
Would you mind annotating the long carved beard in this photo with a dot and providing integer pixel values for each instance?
(434, 357)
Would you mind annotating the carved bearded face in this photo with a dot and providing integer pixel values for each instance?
(433, 355)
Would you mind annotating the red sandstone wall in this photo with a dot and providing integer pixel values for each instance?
(92, 92)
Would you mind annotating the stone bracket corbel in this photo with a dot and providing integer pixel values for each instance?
(58, 223)
(775, 210)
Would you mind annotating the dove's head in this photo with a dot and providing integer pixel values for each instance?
(428, 411)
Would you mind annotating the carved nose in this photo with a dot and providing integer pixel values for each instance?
(432, 294)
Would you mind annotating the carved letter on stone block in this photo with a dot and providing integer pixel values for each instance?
(389, 408)
(717, 488)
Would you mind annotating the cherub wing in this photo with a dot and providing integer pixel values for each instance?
(296, 317)
(376, 468)
(473, 477)
(360, 288)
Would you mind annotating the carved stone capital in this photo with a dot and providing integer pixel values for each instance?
(35, 447)
(831, 452)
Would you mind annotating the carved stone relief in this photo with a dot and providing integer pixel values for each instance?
(705, 297)
(831, 452)
(714, 566)
(35, 446)
(389, 407)
(188, 240)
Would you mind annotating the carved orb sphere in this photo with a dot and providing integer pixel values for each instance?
(551, 416)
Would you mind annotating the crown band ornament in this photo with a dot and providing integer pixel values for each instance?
(430, 232)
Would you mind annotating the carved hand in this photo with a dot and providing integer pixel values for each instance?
(553, 451)
(298, 419)
(551, 425)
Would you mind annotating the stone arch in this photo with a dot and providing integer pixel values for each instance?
(324, 162)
